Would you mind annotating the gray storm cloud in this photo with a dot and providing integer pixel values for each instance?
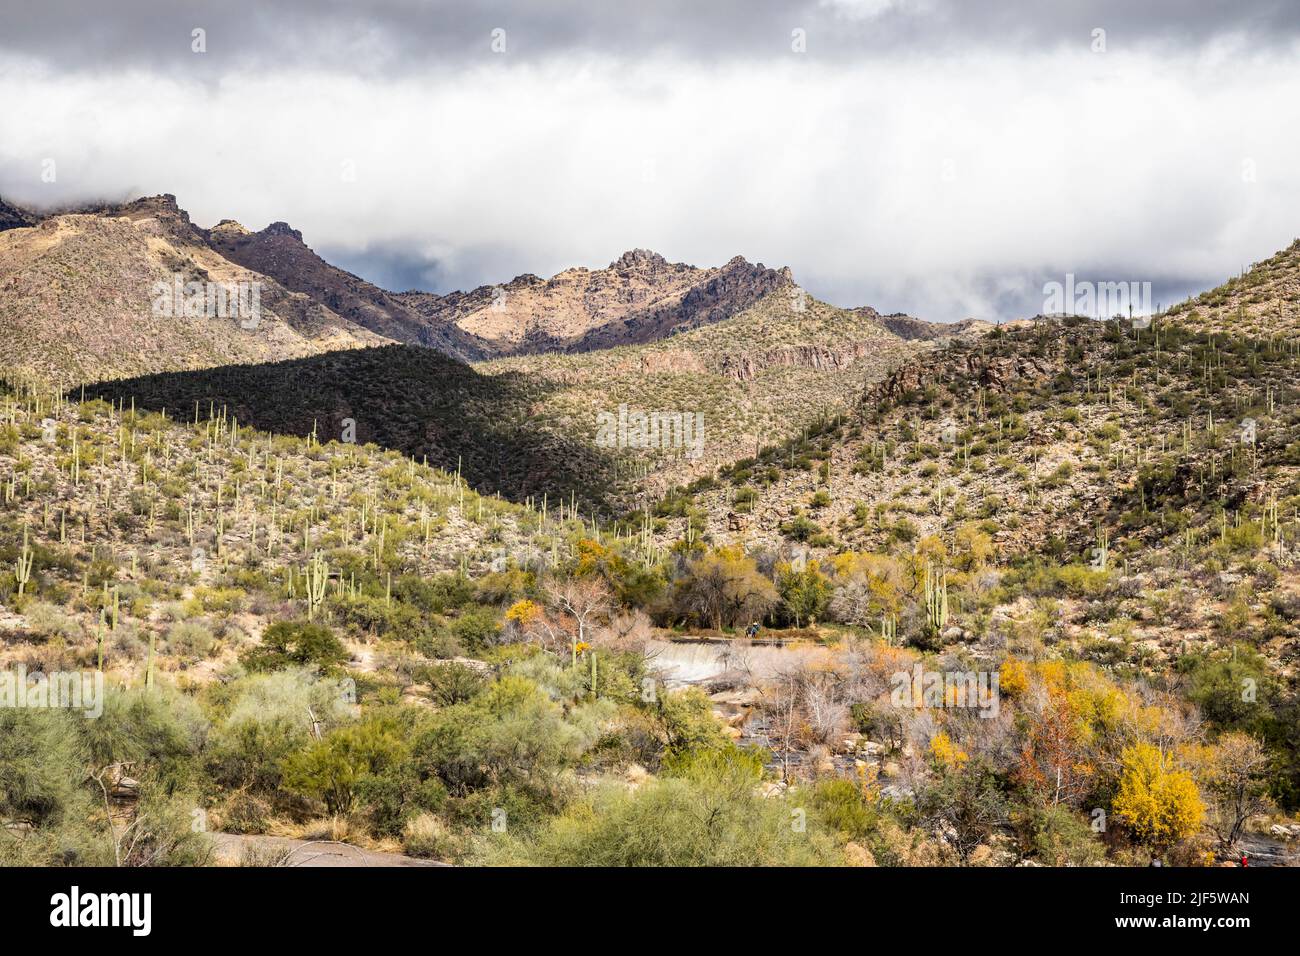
(409, 34)
(945, 159)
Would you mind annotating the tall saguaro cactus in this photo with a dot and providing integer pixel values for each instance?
(936, 598)
(23, 567)
(317, 575)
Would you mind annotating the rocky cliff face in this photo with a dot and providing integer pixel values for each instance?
(278, 251)
(746, 366)
(718, 295)
(12, 217)
(640, 297)
(997, 373)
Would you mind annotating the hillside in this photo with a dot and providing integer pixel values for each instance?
(904, 326)
(1262, 303)
(79, 300)
(416, 401)
(639, 298)
(1047, 432)
(278, 251)
(753, 380)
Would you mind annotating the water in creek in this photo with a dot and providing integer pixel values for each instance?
(684, 663)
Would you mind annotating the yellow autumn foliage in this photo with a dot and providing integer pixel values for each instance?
(523, 612)
(946, 753)
(1156, 800)
(1013, 677)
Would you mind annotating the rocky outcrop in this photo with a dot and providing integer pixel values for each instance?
(746, 366)
(670, 360)
(12, 217)
(723, 293)
(906, 327)
(161, 215)
(278, 251)
(995, 372)
(282, 229)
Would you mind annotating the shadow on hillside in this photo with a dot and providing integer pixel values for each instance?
(410, 399)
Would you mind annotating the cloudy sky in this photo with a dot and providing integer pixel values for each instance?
(940, 157)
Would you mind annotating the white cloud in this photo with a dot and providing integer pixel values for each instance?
(871, 9)
(943, 187)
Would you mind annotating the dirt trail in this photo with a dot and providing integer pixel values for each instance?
(231, 848)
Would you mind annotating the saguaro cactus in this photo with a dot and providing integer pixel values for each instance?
(23, 567)
(1101, 553)
(936, 598)
(317, 575)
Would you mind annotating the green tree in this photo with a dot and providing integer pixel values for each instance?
(286, 643)
(331, 768)
(805, 593)
(724, 587)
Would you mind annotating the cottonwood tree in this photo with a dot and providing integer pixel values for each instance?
(585, 602)
(1236, 781)
(724, 586)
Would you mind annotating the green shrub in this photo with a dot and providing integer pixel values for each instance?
(286, 643)
(267, 717)
(331, 769)
(190, 639)
(477, 629)
(707, 814)
(452, 683)
(843, 807)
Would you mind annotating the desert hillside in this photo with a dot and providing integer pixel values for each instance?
(339, 587)
(81, 299)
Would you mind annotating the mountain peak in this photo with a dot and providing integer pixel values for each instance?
(162, 210)
(230, 226)
(162, 204)
(638, 259)
(281, 229)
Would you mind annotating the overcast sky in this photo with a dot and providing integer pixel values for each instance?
(940, 157)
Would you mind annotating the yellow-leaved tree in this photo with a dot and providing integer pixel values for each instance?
(1156, 800)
